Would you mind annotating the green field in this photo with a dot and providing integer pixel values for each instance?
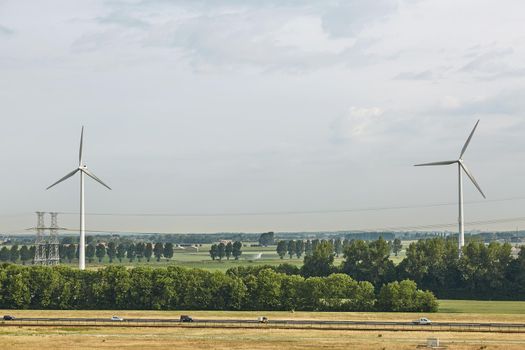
(202, 260)
(482, 307)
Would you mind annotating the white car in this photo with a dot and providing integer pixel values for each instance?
(422, 321)
(116, 318)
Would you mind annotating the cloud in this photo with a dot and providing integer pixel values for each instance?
(423, 75)
(6, 31)
(359, 123)
(493, 64)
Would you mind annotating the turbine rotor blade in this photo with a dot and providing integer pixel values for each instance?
(468, 140)
(91, 175)
(469, 174)
(64, 178)
(445, 162)
(80, 149)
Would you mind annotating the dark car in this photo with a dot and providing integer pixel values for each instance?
(186, 318)
(8, 318)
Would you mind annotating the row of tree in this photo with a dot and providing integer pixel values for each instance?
(481, 272)
(120, 252)
(338, 245)
(221, 250)
(170, 288)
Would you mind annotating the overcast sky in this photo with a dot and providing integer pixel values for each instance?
(229, 107)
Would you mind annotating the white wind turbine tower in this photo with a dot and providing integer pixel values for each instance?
(82, 168)
(461, 166)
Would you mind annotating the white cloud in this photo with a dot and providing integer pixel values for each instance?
(358, 123)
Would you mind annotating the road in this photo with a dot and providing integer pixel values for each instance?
(295, 324)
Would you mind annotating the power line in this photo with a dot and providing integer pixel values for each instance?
(304, 212)
(379, 229)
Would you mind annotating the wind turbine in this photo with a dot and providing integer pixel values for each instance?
(461, 166)
(82, 168)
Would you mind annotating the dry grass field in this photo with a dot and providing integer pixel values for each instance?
(59, 337)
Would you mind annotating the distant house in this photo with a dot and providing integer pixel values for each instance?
(226, 241)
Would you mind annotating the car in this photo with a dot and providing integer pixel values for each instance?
(262, 319)
(185, 318)
(116, 318)
(422, 321)
(8, 318)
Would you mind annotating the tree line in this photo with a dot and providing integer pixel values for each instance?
(297, 248)
(221, 250)
(483, 271)
(121, 252)
(172, 287)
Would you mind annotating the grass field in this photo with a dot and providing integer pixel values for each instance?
(59, 337)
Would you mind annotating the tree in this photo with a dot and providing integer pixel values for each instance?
(299, 248)
(101, 252)
(14, 253)
(32, 251)
(308, 248)
(71, 252)
(369, 262)
(291, 248)
(213, 251)
(321, 262)
(130, 252)
(266, 239)
(148, 251)
(139, 250)
(5, 255)
(121, 251)
(405, 297)
(62, 248)
(236, 251)
(396, 246)
(25, 254)
(111, 250)
(338, 247)
(90, 252)
(228, 250)
(221, 250)
(158, 250)
(282, 248)
(168, 251)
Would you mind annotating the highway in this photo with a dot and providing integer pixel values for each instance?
(292, 324)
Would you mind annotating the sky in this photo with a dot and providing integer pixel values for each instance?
(254, 116)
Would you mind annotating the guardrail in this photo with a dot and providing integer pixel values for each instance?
(274, 324)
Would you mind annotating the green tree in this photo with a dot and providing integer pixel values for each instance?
(25, 254)
(5, 254)
(237, 249)
(139, 250)
(111, 251)
(121, 251)
(168, 251)
(338, 247)
(291, 248)
(308, 248)
(100, 252)
(228, 250)
(130, 252)
(148, 251)
(158, 250)
(266, 239)
(397, 246)
(71, 252)
(299, 248)
(213, 251)
(14, 253)
(90, 252)
(62, 248)
(369, 262)
(321, 262)
(221, 250)
(405, 297)
(282, 248)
